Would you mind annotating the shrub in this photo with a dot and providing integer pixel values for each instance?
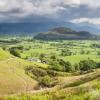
(98, 65)
(66, 53)
(46, 81)
(76, 66)
(15, 52)
(54, 65)
(82, 52)
(87, 65)
(37, 72)
(68, 67)
(98, 53)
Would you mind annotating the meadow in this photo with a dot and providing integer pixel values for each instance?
(80, 49)
(49, 70)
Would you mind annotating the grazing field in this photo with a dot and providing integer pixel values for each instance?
(80, 50)
(49, 70)
(13, 78)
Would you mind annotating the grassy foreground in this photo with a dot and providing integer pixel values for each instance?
(83, 87)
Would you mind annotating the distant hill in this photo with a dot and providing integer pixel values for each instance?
(26, 28)
(63, 33)
(36, 27)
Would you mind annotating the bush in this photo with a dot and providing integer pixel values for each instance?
(15, 52)
(38, 72)
(66, 53)
(54, 65)
(82, 52)
(98, 65)
(87, 65)
(69, 67)
(76, 66)
(46, 81)
(98, 53)
(61, 65)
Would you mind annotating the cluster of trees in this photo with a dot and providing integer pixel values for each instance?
(85, 52)
(58, 64)
(16, 51)
(46, 77)
(84, 65)
(66, 52)
(95, 45)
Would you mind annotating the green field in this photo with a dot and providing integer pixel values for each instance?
(35, 70)
(35, 48)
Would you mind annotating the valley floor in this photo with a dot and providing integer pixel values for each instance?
(46, 70)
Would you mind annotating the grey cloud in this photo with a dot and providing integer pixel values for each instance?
(39, 10)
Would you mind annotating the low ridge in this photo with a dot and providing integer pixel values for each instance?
(63, 33)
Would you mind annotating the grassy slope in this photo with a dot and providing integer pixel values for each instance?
(4, 55)
(12, 76)
(87, 88)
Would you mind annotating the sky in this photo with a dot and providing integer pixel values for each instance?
(74, 11)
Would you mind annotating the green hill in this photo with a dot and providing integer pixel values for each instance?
(62, 33)
(12, 75)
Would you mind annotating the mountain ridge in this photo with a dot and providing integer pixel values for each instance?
(36, 27)
(63, 33)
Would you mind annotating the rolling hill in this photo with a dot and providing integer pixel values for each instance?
(63, 33)
(12, 75)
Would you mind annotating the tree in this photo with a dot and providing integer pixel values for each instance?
(53, 57)
(76, 66)
(42, 56)
(87, 65)
(68, 67)
(98, 53)
(66, 53)
(82, 52)
(15, 52)
(54, 65)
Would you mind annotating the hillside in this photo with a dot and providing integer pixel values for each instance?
(81, 87)
(12, 75)
(62, 33)
(21, 78)
(4, 54)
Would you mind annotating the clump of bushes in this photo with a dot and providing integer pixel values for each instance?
(35, 72)
(66, 52)
(43, 76)
(87, 65)
(15, 52)
(46, 81)
(61, 65)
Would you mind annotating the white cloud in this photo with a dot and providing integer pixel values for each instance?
(42, 7)
(45, 8)
(72, 2)
(95, 21)
(27, 7)
(89, 3)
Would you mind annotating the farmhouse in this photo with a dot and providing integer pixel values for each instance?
(34, 60)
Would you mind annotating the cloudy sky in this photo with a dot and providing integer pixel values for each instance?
(75, 11)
